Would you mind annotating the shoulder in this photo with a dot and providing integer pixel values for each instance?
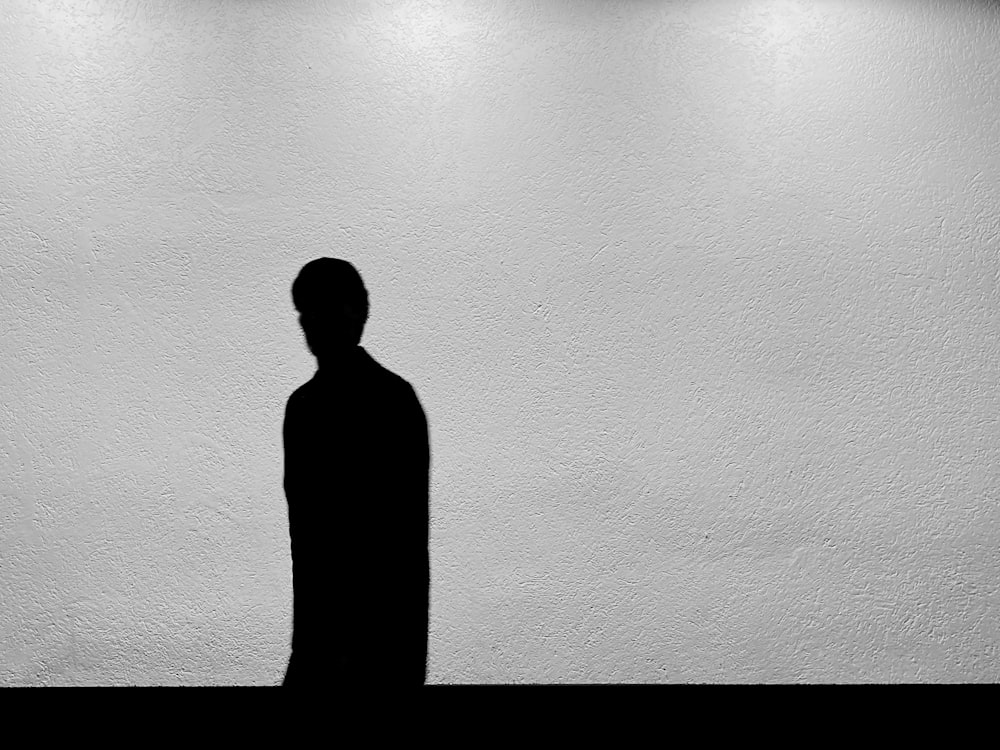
(299, 397)
(392, 382)
(397, 382)
(398, 389)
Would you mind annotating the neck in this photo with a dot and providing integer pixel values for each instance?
(340, 361)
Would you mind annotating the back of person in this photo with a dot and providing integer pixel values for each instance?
(359, 536)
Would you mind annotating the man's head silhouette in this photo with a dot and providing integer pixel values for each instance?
(333, 306)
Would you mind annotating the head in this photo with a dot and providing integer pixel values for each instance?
(333, 306)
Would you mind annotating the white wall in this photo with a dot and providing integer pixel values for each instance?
(700, 298)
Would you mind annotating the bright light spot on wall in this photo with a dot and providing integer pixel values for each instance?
(425, 27)
(431, 41)
(780, 30)
(71, 29)
(778, 23)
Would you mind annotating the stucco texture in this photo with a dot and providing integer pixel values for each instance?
(700, 299)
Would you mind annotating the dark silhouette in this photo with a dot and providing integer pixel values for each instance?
(357, 467)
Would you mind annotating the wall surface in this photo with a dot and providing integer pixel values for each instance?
(701, 299)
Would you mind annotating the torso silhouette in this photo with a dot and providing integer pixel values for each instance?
(357, 462)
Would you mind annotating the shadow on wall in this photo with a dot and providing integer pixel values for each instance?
(357, 465)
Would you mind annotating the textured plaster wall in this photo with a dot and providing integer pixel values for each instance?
(700, 298)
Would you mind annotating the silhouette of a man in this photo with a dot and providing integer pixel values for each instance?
(357, 466)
